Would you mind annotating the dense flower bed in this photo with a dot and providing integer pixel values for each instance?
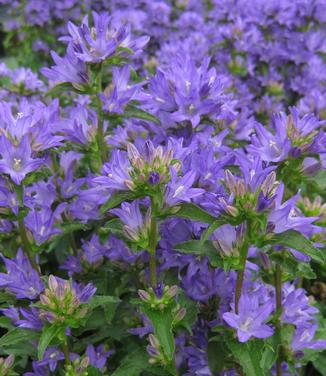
(162, 188)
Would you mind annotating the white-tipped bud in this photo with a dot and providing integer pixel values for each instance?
(268, 184)
(53, 283)
(133, 153)
(229, 180)
(172, 291)
(144, 295)
(153, 341)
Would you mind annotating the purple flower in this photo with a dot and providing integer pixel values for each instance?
(17, 161)
(98, 356)
(115, 174)
(200, 282)
(179, 189)
(249, 322)
(21, 279)
(72, 264)
(51, 358)
(122, 92)
(96, 44)
(41, 222)
(296, 307)
(67, 69)
(135, 226)
(285, 216)
(303, 338)
(93, 249)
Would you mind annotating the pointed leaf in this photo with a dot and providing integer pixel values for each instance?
(195, 213)
(134, 112)
(296, 240)
(116, 200)
(249, 355)
(199, 248)
(162, 325)
(48, 334)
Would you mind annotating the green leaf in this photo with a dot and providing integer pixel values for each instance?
(217, 354)
(60, 89)
(48, 334)
(292, 267)
(296, 240)
(210, 229)
(320, 363)
(114, 226)
(270, 351)
(134, 112)
(72, 227)
(132, 364)
(195, 213)
(199, 248)
(93, 371)
(116, 200)
(97, 301)
(16, 336)
(249, 355)
(162, 325)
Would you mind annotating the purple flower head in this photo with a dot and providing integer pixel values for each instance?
(303, 338)
(41, 222)
(98, 43)
(136, 227)
(67, 69)
(179, 189)
(122, 92)
(139, 168)
(296, 307)
(93, 250)
(98, 356)
(286, 216)
(249, 322)
(64, 301)
(30, 317)
(115, 174)
(72, 264)
(200, 282)
(21, 279)
(17, 161)
(292, 136)
(51, 358)
(186, 92)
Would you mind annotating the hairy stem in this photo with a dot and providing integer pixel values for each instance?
(240, 275)
(65, 349)
(278, 297)
(152, 252)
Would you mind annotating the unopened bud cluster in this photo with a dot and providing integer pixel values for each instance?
(159, 301)
(78, 367)
(246, 200)
(60, 304)
(6, 365)
(150, 168)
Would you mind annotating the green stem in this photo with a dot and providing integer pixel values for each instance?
(26, 245)
(22, 229)
(153, 240)
(152, 252)
(65, 349)
(100, 123)
(240, 275)
(278, 297)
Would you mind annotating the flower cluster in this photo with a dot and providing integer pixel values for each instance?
(162, 187)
